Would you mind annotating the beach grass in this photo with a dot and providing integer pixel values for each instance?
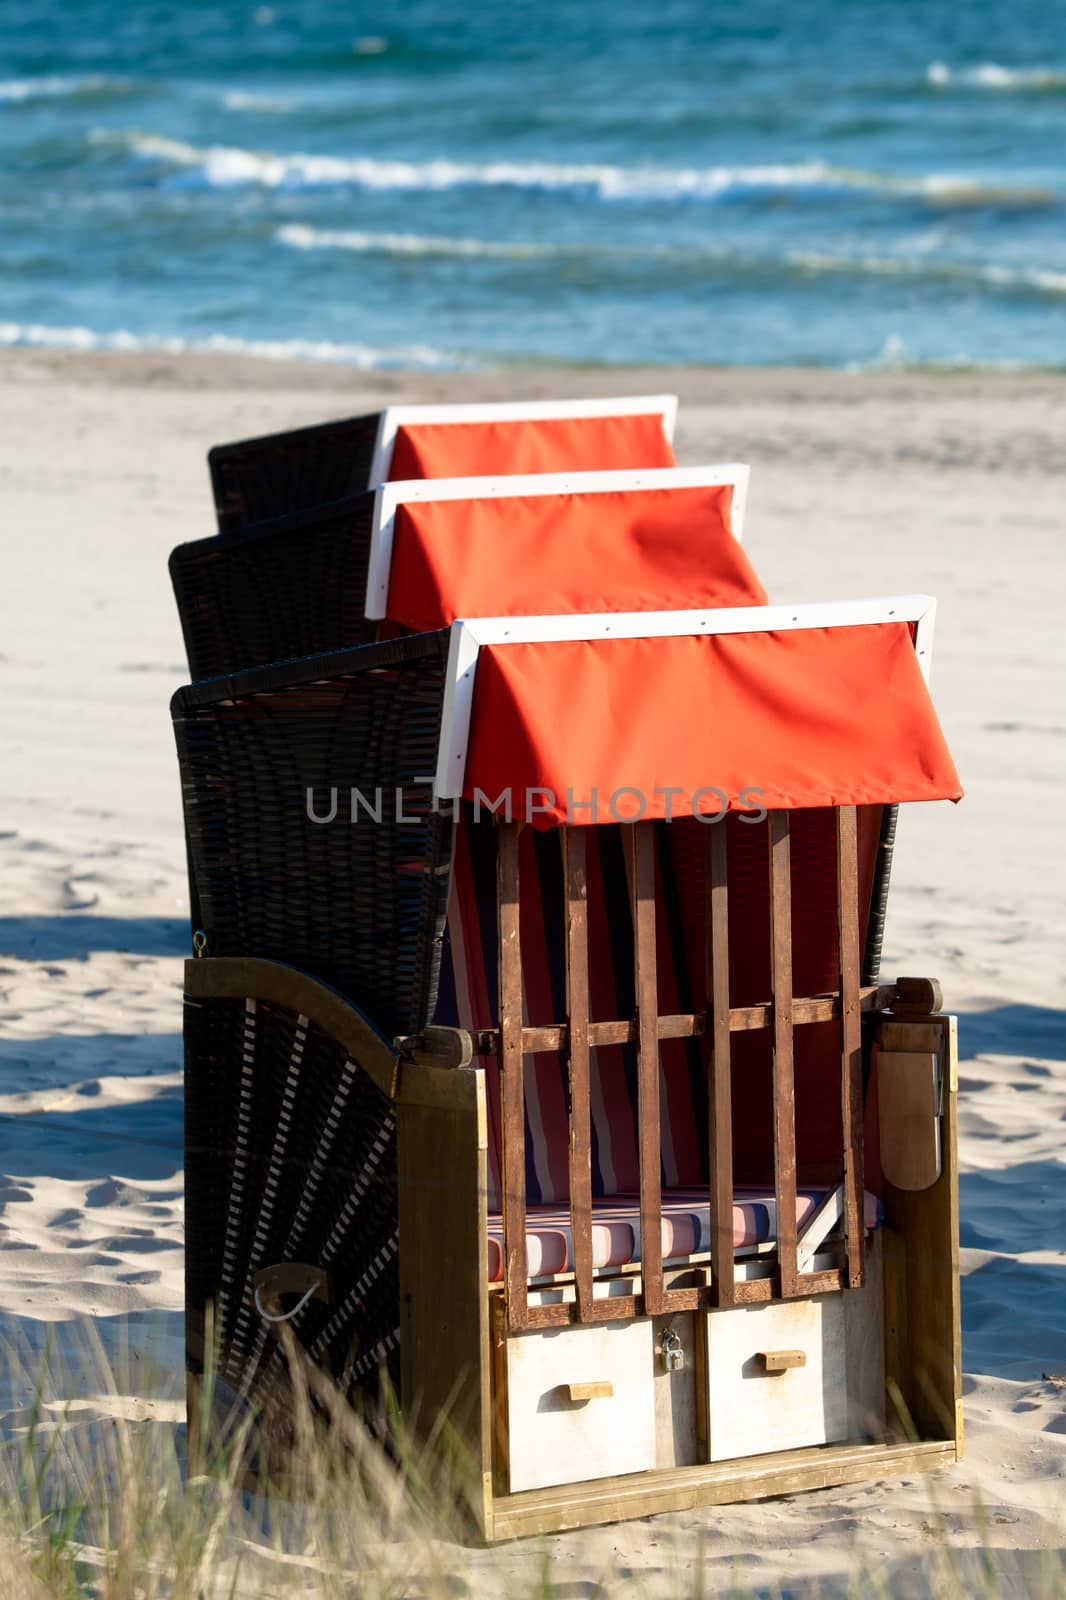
(99, 1497)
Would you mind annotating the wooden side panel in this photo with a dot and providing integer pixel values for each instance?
(922, 1302)
(908, 1112)
(442, 1151)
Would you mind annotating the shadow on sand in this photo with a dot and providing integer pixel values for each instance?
(72, 935)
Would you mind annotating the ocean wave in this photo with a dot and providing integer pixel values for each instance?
(367, 359)
(722, 262)
(299, 236)
(1019, 279)
(16, 90)
(990, 75)
(244, 100)
(223, 166)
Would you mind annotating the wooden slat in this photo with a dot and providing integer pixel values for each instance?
(719, 1079)
(680, 1025)
(559, 1313)
(753, 1291)
(577, 1005)
(605, 1308)
(851, 1041)
(512, 1087)
(784, 1082)
(642, 848)
(683, 1300)
(823, 1282)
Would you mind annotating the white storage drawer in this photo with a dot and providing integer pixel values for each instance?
(754, 1408)
(555, 1435)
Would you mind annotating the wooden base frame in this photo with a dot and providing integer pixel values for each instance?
(454, 1350)
(583, 1505)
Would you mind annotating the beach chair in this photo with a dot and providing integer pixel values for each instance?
(258, 479)
(511, 1078)
(322, 579)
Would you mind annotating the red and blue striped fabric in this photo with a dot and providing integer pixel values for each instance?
(616, 1228)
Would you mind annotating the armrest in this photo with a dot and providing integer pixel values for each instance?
(916, 1069)
(249, 978)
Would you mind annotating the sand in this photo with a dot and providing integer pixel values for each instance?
(861, 485)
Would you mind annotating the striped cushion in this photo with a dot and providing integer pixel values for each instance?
(616, 1228)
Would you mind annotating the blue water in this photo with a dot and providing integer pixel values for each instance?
(831, 182)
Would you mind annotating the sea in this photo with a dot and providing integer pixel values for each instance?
(484, 183)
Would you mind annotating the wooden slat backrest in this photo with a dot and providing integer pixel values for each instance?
(580, 1035)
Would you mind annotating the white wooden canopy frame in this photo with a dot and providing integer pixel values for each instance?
(421, 491)
(468, 636)
(393, 418)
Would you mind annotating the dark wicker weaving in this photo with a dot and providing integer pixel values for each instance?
(875, 927)
(290, 1156)
(255, 480)
(292, 587)
(358, 905)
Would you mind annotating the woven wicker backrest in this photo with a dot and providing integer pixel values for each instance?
(267, 477)
(357, 903)
(293, 587)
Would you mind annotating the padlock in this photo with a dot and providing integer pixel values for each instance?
(673, 1355)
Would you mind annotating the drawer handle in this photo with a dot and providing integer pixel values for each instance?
(589, 1391)
(775, 1361)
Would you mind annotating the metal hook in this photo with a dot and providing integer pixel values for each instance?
(284, 1316)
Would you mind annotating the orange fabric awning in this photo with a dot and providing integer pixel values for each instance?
(631, 550)
(555, 444)
(807, 717)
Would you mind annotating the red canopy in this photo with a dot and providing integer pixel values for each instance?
(545, 444)
(625, 550)
(822, 716)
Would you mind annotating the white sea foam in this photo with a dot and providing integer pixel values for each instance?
(990, 75)
(13, 90)
(1020, 278)
(242, 100)
(299, 236)
(225, 166)
(42, 336)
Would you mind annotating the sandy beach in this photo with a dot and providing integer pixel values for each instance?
(862, 485)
